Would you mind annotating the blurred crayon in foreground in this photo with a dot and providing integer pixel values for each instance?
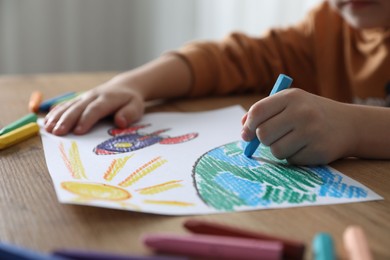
(75, 254)
(323, 247)
(215, 247)
(356, 244)
(66, 98)
(292, 249)
(35, 101)
(47, 104)
(8, 251)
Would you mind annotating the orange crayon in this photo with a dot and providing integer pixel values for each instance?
(356, 244)
(35, 101)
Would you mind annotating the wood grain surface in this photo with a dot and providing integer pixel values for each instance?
(31, 216)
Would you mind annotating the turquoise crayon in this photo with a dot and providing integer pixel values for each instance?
(30, 118)
(323, 247)
(281, 83)
(47, 104)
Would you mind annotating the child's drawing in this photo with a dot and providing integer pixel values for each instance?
(130, 139)
(209, 174)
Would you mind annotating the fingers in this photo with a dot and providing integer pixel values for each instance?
(283, 135)
(260, 112)
(64, 117)
(288, 146)
(89, 115)
(276, 127)
(82, 113)
(298, 126)
(243, 119)
(305, 157)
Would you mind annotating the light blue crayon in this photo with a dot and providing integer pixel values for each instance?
(46, 105)
(67, 98)
(323, 247)
(281, 83)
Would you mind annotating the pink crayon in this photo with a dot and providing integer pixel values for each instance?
(220, 247)
(292, 249)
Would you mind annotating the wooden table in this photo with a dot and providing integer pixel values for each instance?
(31, 216)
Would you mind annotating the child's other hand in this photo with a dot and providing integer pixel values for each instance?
(80, 114)
(301, 127)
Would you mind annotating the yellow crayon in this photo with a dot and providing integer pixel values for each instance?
(18, 135)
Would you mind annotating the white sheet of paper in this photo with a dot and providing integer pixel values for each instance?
(185, 164)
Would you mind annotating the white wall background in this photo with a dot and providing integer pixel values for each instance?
(45, 36)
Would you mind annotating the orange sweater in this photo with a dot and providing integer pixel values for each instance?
(323, 54)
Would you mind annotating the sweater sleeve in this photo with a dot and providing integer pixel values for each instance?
(240, 63)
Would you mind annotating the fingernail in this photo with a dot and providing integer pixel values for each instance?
(49, 124)
(58, 129)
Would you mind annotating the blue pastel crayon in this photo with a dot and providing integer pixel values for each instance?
(47, 104)
(323, 247)
(281, 83)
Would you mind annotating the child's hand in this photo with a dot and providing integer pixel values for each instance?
(80, 114)
(124, 96)
(301, 127)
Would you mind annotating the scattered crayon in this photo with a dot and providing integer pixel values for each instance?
(35, 101)
(47, 104)
(95, 255)
(30, 118)
(215, 247)
(18, 135)
(356, 244)
(323, 247)
(292, 249)
(13, 252)
(68, 97)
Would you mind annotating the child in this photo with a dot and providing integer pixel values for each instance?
(338, 56)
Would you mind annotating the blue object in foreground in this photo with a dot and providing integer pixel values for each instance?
(47, 104)
(281, 83)
(12, 252)
(92, 255)
(323, 248)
